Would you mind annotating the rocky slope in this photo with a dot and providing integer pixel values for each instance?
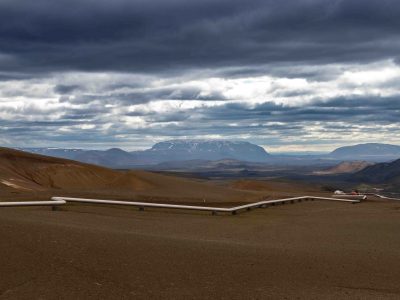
(345, 167)
(387, 173)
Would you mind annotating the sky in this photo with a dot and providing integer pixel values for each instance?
(293, 75)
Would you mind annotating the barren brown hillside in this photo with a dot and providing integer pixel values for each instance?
(29, 175)
(345, 167)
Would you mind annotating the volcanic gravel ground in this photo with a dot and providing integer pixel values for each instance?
(308, 250)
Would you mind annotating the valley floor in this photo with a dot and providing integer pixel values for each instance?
(309, 250)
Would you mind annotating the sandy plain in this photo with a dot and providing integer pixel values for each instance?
(308, 250)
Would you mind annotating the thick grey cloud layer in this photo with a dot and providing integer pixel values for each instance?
(158, 35)
(129, 73)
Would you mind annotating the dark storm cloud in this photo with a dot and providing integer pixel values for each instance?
(138, 97)
(177, 35)
(352, 111)
(269, 119)
(8, 76)
(65, 89)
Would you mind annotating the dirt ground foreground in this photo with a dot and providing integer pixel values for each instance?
(309, 250)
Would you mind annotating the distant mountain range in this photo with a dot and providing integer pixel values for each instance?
(190, 151)
(175, 150)
(55, 152)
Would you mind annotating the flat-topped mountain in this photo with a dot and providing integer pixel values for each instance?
(369, 151)
(177, 150)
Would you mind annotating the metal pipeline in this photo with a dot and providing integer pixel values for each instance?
(56, 201)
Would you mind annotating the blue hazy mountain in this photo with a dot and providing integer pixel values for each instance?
(179, 150)
(176, 150)
(369, 152)
(55, 152)
(214, 150)
(114, 157)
